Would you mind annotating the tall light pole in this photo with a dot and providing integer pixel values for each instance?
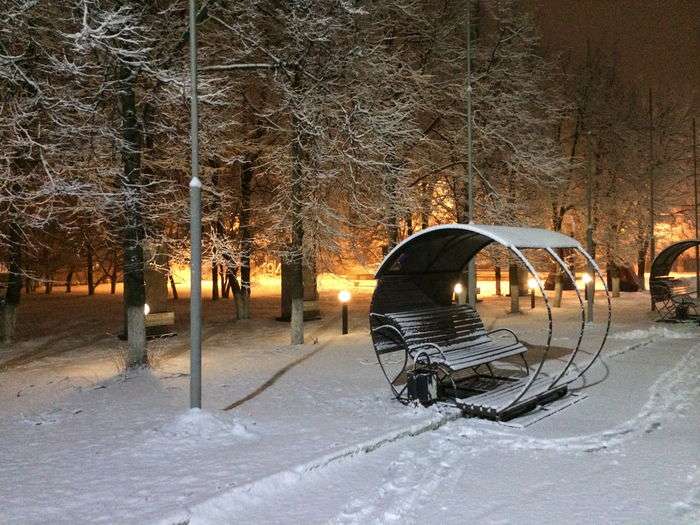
(195, 229)
(652, 182)
(471, 268)
(590, 286)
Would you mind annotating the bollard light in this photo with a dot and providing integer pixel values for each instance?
(458, 289)
(587, 279)
(344, 297)
(532, 284)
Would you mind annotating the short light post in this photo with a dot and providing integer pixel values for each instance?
(586, 278)
(589, 285)
(458, 291)
(344, 297)
(532, 284)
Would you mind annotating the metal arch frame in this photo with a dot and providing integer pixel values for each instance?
(531, 269)
(596, 269)
(582, 307)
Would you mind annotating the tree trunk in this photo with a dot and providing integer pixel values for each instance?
(69, 281)
(425, 205)
(641, 263)
(48, 283)
(558, 288)
(89, 265)
(8, 308)
(614, 272)
(246, 234)
(498, 281)
(514, 280)
(172, 286)
(297, 245)
(392, 219)
(225, 288)
(133, 264)
(113, 277)
(232, 283)
(214, 280)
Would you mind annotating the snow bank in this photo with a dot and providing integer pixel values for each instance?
(197, 423)
(662, 332)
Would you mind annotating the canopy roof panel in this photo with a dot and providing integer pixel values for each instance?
(664, 261)
(448, 248)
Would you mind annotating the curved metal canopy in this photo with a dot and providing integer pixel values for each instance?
(664, 261)
(448, 248)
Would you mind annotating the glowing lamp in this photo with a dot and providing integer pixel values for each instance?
(344, 296)
(458, 288)
(146, 309)
(586, 278)
(531, 283)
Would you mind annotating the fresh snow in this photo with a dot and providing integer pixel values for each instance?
(314, 436)
(662, 332)
(197, 424)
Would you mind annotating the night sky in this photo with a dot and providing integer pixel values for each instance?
(657, 41)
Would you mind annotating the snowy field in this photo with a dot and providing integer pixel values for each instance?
(311, 434)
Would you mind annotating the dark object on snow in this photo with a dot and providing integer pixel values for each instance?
(422, 384)
(420, 336)
(628, 279)
(672, 297)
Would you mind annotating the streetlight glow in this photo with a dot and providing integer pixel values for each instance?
(531, 283)
(344, 296)
(586, 278)
(146, 309)
(458, 288)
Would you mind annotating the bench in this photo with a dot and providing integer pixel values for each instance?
(673, 299)
(452, 338)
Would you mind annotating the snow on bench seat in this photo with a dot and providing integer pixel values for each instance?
(458, 332)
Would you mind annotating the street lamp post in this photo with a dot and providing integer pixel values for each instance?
(195, 228)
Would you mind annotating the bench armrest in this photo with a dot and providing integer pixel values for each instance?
(504, 330)
(431, 345)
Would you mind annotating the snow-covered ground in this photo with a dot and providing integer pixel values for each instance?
(314, 437)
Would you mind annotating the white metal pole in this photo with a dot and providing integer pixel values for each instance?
(652, 193)
(195, 230)
(695, 201)
(471, 269)
(590, 287)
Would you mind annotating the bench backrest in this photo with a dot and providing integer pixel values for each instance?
(665, 288)
(446, 326)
